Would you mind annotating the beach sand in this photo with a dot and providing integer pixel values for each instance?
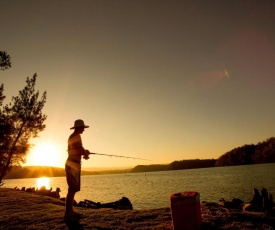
(23, 210)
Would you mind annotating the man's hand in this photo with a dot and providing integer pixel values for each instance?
(86, 157)
(87, 152)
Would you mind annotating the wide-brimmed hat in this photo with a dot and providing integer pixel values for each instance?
(79, 123)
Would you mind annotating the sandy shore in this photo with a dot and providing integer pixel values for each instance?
(22, 210)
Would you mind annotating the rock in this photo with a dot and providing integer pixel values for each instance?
(124, 204)
(235, 203)
(257, 199)
(249, 207)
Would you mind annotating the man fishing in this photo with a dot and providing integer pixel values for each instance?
(73, 168)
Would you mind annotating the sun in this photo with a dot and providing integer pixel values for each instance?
(43, 181)
(45, 154)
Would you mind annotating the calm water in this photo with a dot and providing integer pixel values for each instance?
(153, 189)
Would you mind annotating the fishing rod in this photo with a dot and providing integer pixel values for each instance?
(119, 156)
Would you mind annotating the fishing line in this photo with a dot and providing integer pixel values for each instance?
(119, 156)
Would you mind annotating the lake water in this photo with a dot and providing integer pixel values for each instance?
(153, 189)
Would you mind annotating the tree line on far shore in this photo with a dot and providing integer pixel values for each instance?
(263, 152)
(176, 165)
(38, 171)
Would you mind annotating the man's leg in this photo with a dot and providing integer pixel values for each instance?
(69, 205)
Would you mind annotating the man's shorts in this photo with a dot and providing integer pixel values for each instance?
(73, 178)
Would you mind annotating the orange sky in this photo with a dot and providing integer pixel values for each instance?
(161, 80)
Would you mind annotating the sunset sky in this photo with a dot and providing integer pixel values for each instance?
(161, 80)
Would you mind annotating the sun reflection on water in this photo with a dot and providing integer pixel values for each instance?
(43, 181)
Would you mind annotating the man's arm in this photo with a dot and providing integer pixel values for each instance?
(86, 155)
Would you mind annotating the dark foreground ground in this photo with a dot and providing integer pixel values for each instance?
(22, 210)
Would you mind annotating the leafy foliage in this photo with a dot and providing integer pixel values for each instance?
(263, 152)
(20, 120)
(5, 60)
(2, 96)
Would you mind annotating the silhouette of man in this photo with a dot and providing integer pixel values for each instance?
(73, 168)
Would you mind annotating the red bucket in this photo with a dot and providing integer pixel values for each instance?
(186, 211)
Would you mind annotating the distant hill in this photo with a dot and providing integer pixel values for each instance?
(191, 164)
(47, 171)
(39, 171)
(176, 165)
(263, 152)
(149, 168)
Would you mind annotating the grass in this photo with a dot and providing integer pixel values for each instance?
(22, 210)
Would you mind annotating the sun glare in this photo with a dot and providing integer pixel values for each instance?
(43, 181)
(45, 154)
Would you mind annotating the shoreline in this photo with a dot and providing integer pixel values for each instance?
(23, 210)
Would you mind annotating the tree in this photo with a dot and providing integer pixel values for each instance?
(2, 96)
(20, 120)
(263, 152)
(4, 64)
(5, 60)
